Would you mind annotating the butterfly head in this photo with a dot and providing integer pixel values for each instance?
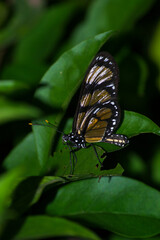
(74, 139)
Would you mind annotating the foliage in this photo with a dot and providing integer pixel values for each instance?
(46, 48)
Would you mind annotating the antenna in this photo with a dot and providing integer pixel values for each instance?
(51, 125)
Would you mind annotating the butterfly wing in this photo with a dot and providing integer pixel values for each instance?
(98, 113)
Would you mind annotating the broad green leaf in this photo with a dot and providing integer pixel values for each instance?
(8, 182)
(37, 227)
(33, 152)
(113, 14)
(25, 192)
(120, 205)
(67, 129)
(87, 164)
(41, 136)
(12, 86)
(34, 187)
(136, 123)
(133, 124)
(45, 182)
(44, 141)
(65, 75)
(10, 111)
(24, 154)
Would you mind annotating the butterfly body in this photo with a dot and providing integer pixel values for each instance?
(76, 140)
(98, 113)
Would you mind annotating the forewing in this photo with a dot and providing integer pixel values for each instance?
(98, 112)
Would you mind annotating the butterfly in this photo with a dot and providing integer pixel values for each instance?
(98, 112)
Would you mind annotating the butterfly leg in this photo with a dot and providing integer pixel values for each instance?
(72, 153)
(71, 170)
(96, 154)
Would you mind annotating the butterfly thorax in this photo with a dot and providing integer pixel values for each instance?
(74, 139)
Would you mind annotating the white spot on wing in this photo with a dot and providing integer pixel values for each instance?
(112, 86)
(106, 60)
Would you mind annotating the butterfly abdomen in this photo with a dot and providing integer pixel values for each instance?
(117, 139)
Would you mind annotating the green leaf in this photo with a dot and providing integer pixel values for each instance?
(45, 182)
(24, 154)
(12, 86)
(37, 227)
(87, 164)
(25, 192)
(64, 77)
(136, 123)
(67, 129)
(133, 124)
(34, 186)
(10, 111)
(44, 141)
(8, 183)
(121, 205)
